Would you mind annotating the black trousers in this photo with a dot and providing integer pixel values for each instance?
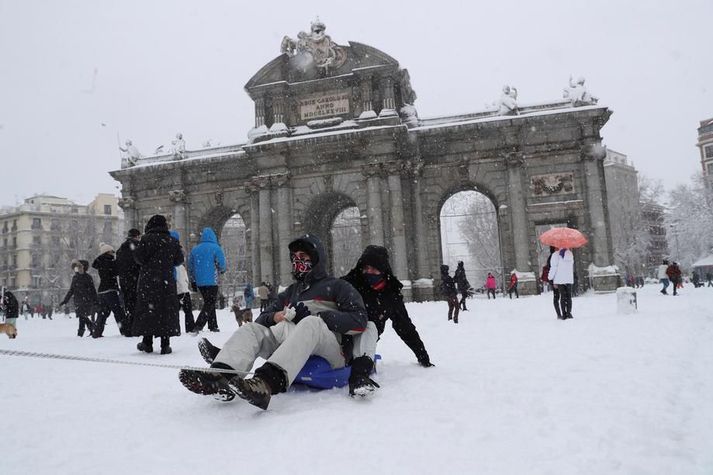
(565, 299)
(556, 301)
(110, 303)
(491, 292)
(464, 295)
(128, 291)
(83, 312)
(185, 303)
(513, 289)
(453, 308)
(148, 341)
(209, 294)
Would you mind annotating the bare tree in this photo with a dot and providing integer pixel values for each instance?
(689, 222)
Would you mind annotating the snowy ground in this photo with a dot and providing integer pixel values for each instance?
(514, 391)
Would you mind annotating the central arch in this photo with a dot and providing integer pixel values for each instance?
(320, 218)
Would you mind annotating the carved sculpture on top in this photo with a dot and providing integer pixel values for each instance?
(578, 94)
(179, 146)
(317, 46)
(130, 154)
(507, 104)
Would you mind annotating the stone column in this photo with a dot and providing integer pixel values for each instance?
(278, 109)
(593, 156)
(180, 200)
(367, 107)
(284, 226)
(259, 112)
(374, 211)
(518, 212)
(398, 233)
(265, 209)
(388, 106)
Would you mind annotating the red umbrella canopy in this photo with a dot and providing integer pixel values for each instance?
(563, 238)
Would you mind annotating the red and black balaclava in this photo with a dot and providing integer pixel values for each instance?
(302, 267)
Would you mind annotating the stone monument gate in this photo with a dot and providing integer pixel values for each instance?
(335, 127)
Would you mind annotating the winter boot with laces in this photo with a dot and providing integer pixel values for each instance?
(268, 380)
(208, 350)
(360, 384)
(208, 384)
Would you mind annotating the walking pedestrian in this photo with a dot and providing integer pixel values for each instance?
(108, 292)
(85, 296)
(491, 285)
(128, 270)
(673, 272)
(262, 294)
(10, 307)
(448, 289)
(561, 274)
(249, 295)
(709, 279)
(183, 291)
(204, 264)
(156, 312)
(513, 285)
(663, 277)
(462, 284)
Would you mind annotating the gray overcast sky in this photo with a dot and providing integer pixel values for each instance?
(148, 69)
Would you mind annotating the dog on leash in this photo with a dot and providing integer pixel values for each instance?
(244, 315)
(8, 329)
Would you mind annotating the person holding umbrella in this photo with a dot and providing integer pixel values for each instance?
(561, 264)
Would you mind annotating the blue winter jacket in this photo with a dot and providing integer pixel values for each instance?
(206, 258)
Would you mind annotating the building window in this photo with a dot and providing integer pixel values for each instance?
(12, 282)
(709, 168)
(36, 223)
(54, 224)
(708, 151)
(36, 281)
(14, 242)
(107, 209)
(37, 240)
(36, 260)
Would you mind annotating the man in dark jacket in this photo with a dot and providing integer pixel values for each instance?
(109, 301)
(309, 318)
(9, 306)
(448, 289)
(128, 270)
(674, 275)
(462, 284)
(156, 312)
(204, 264)
(373, 278)
(85, 296)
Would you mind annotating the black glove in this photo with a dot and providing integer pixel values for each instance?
(194, 287)
(301, 311)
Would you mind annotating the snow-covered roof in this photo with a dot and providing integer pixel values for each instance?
(706, 261)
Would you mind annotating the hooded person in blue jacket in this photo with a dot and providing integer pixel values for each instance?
(204, 263)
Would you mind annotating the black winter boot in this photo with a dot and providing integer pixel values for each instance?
(207, 383)
(360, 384)
(268, 380)
(208, 351)
(146, 345)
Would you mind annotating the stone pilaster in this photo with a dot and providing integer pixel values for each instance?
(423, 285)
(254, 231)
(131, 215)
(284, 226)
(265, 206)
(278, 109)
(259, 112)
(367, 106)
(518, 211)
(374, 211)
(593, 156)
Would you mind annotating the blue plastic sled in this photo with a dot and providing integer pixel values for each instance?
(317, 373)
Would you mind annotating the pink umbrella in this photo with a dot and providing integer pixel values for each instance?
(563, 238)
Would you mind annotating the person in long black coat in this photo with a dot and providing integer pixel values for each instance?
(128, 270)
(85, 296)
(156, 312)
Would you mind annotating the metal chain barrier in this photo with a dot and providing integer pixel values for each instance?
(31, 354)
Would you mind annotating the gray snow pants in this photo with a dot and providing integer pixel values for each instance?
(285, 345)
(365, 343)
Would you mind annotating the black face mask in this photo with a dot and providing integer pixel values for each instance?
(373, 279)
(300, 267)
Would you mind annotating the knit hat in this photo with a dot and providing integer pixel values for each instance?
(104, 248)
(134, 233)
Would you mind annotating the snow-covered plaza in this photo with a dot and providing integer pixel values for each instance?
(514, 391)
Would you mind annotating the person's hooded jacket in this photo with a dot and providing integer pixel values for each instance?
(334, 300)
(156, 311)
(448, 285)
(9, 303)
(105, 264)
(206, 260)
(386, 303)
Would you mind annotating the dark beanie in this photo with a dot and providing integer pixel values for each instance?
(377, 257)
(133, 233)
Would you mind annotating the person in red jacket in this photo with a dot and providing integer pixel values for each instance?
(491, 285)
(513, 285)
(674, 275)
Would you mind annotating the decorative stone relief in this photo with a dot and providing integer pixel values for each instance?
(552, 184)
(316, 46)
(178, 196)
